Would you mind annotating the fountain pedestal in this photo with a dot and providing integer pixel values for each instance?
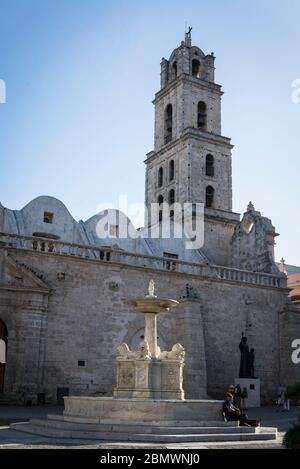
(149, 373)
(150, 378)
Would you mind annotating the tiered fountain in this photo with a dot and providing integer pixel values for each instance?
(149, 373)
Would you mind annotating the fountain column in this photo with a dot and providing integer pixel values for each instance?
(151, 333)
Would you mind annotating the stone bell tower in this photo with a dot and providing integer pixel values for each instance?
(191, 161)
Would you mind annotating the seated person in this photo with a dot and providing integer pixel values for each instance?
(234, 414)
(231, 390)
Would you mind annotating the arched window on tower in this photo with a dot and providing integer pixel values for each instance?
(160, 199)
(171, 197)
(209, 196)
(202, 115)
(171, 170)
(160, 177)
(174, 71)
(196, 68)
(210, 166)
(168, 123)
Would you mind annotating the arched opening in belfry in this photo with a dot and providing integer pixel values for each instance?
(196, 67)
(209, 196)
(171, 197)
(174, 71)
(210, 166)
(160, 176)
(171, 170)
(3, 352)
(160, 200)
(168, 123)
(202, 115)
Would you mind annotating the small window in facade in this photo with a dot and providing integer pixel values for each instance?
(169, 264)
(160, 199)
(210, 192)
(48, 217)
(202, 115)
(114, 230)
(171, 197)
(174, 71)
(168, 123)
(171, 170)
(160, 177)
(171, 214)
(104, 255)
(210, 168)
(82, 363)
(196, 68)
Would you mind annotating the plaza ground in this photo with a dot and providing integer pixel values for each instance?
(10, 439)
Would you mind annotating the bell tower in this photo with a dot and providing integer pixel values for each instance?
(191, 161)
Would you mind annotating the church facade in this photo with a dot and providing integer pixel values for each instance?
(63, 287)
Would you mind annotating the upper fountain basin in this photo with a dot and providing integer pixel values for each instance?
(152, 304)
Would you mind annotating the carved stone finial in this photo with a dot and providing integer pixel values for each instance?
(250, 207)
(282, 267)
(123, 351)
(178, 352)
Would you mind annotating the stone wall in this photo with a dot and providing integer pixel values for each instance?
(23, 308)
(289, 331)
(87, 319)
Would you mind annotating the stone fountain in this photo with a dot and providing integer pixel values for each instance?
(148, 402)
(149, 373)
(149, 383)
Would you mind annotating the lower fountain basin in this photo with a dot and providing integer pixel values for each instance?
(101, 409)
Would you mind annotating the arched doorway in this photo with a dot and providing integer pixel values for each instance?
(3, 349)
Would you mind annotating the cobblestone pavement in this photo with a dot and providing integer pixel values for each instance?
(11, 439)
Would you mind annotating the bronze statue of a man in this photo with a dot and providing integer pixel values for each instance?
(247, 359)
(244, 349)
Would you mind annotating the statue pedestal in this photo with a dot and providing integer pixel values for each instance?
(252, 386)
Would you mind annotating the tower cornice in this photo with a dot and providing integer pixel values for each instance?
(191, 132)
(185, 78)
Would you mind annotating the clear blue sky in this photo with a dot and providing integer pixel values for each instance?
(81, 75)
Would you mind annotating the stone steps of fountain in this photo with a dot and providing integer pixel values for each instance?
(164, 434)
(139, 428)
(154, 423)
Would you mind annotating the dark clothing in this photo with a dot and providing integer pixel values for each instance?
(226, 406)
(235, 416)
(244, 349)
